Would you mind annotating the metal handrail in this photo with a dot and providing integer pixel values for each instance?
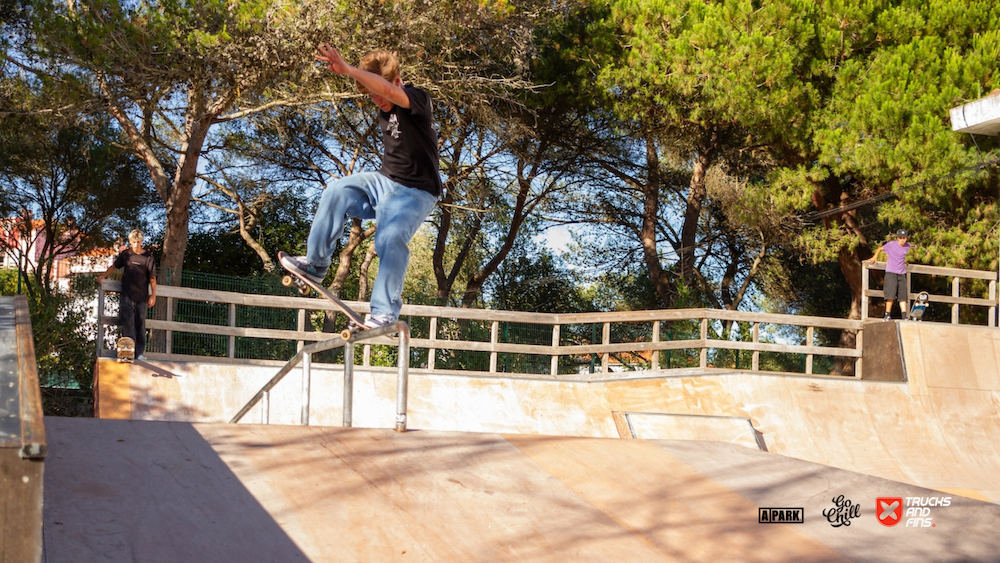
(305, 357)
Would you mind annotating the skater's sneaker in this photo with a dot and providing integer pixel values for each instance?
(304, 268)
(887, 317)
(375, 321)
(141, 357)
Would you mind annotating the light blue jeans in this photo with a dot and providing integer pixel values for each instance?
(398, 211)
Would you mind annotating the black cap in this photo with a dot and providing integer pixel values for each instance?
(902, 233)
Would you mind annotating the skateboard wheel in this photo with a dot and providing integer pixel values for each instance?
(287, 281)
(346, 334)
(303, 290)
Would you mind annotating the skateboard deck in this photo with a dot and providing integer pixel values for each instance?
(126, 349)
(304, 285)
(919, 306)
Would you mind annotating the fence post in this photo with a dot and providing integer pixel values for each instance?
(431, 352)
(859, 345)
(992, 316)
(954, 293)
(555, 357)
(169, 336)
(656, 353)
(494, 336)
(809, 357)
(300, 325)
(703, 356)
(606, 340)
(755, 361)
(100, 319)
(232, 324)
(865, 273)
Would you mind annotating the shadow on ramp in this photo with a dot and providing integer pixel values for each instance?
(133, 491)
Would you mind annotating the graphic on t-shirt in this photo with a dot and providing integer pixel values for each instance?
(393, 126)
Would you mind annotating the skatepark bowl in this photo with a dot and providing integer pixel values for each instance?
(676, 435)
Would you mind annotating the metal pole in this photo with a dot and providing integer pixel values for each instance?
(402, 383)
(306, 377)
(348, 382)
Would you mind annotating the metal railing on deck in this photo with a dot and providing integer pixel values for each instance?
(305, 357)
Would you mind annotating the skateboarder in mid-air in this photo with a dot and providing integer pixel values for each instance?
(138, 289)
(895, 272)
(399, 196)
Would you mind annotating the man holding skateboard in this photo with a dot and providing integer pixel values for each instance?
(895, 272)
(399, 197)
(138, 289)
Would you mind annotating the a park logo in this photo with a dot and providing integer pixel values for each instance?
(780, 516)
(889, 510)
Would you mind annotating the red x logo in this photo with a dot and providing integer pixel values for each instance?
(889, 510)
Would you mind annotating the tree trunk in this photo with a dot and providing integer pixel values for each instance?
(440, 245)
(650, 217)
(697, 192)
(363, 274)
(475, 285)
(354, 240)
(849, 262)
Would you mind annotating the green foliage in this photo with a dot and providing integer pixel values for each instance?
(64, 329)
(883, 126)
(533, 279)
(282, 223)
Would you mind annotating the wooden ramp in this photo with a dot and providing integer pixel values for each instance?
(172, 492)
(931, 418)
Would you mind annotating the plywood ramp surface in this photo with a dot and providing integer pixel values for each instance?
(142, 491)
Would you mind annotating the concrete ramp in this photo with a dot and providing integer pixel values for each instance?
(138, 491)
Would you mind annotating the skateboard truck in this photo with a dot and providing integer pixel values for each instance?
(288, 280)
(126, 349)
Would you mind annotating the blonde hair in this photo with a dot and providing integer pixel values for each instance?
(135, 236)
(381, 62)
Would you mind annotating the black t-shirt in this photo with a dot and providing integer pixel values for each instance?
(139, 269)
(411, 151)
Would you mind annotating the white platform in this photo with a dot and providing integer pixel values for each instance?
(981, 117)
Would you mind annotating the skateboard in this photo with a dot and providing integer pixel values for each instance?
(126, 349)
(919, 306)
(305, 285)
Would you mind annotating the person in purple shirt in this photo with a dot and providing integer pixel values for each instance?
(895, 272)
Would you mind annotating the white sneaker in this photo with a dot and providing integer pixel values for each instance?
(375, 321)
(141, 357)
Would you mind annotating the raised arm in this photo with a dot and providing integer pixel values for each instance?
(373, 83)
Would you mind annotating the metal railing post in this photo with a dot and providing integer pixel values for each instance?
(348, 384)
(402, 383)
(306, 380)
